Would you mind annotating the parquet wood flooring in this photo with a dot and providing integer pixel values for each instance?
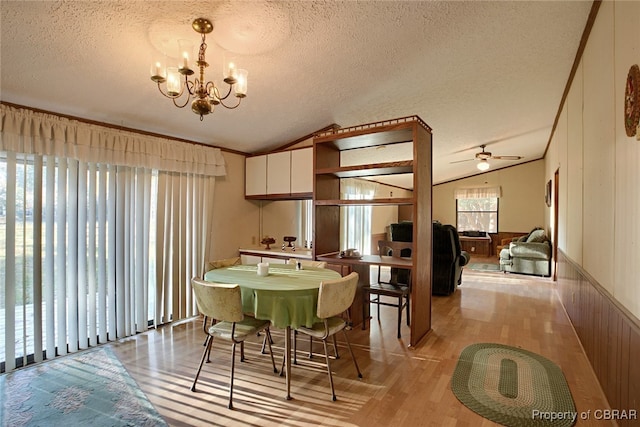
(401, 385)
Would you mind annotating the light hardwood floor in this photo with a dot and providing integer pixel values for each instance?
(401, 386)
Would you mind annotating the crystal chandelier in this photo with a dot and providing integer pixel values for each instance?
(205, 94)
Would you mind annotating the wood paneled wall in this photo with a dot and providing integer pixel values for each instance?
(609, 334)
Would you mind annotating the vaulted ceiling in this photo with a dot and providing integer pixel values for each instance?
(478, 72)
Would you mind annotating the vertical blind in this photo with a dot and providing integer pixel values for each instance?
(355, 221)
(95, 250)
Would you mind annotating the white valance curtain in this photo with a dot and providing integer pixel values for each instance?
(30, 132)
(81, 220)
(355, 221)
(478, 193)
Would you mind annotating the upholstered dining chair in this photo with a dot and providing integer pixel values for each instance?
(334, 298)
(223, 302)
(305, 263)
(221, 263)
(212, 265)
(308, 263)
(401, 292)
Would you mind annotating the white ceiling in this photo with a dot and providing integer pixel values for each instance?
(477, 72)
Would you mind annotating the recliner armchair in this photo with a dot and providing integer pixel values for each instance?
(448, 259)
(530, 254)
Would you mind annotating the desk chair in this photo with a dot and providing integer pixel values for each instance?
(223, 302)
(400, 291)
(334, 298)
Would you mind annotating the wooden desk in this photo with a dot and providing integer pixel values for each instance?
(361, 266)
(476, 245)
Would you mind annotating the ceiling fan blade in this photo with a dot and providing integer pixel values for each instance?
(506, 157)
(460, 161)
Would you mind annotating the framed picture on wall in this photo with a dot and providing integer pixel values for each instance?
(547, 194)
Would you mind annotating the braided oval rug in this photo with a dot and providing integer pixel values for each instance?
(513, 387)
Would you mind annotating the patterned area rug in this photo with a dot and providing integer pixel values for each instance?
(479, 266)
(91, 388)
(513, 387)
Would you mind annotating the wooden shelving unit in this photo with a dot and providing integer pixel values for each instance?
(328, 172)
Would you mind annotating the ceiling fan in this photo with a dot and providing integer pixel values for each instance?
(483, 156)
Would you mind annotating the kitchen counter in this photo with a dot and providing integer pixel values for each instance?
(276, 252)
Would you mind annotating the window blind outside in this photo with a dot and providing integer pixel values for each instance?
(355, 221)
(305, 228)
(478, 193)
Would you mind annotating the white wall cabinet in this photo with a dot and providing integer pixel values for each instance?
(255, 173)
(302, 170)
(279, 173)
(285, 175)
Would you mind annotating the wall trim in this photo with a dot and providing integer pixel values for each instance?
(574, 68)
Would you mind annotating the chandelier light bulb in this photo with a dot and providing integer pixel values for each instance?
(174, 83)
(158, 69)
(186, 54)
(229, 68)
(241, 83)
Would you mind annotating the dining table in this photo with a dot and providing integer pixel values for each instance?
(286, 296)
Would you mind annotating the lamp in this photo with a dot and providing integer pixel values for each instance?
(483, 165)
(205, 94)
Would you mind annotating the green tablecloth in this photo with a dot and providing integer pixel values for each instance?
(286, 297)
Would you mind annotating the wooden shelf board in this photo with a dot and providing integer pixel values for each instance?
(292, 196)
(389, 168)
(367, 202)
(367, 138)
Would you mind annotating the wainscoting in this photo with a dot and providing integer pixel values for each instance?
(609, 334)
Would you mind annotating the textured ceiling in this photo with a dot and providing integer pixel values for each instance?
(477, 72)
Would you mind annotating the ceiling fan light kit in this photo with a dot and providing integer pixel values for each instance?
(205, 94)
(483, 165)
(483, 157)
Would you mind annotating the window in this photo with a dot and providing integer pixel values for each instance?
(477, 214)
(477, 209)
